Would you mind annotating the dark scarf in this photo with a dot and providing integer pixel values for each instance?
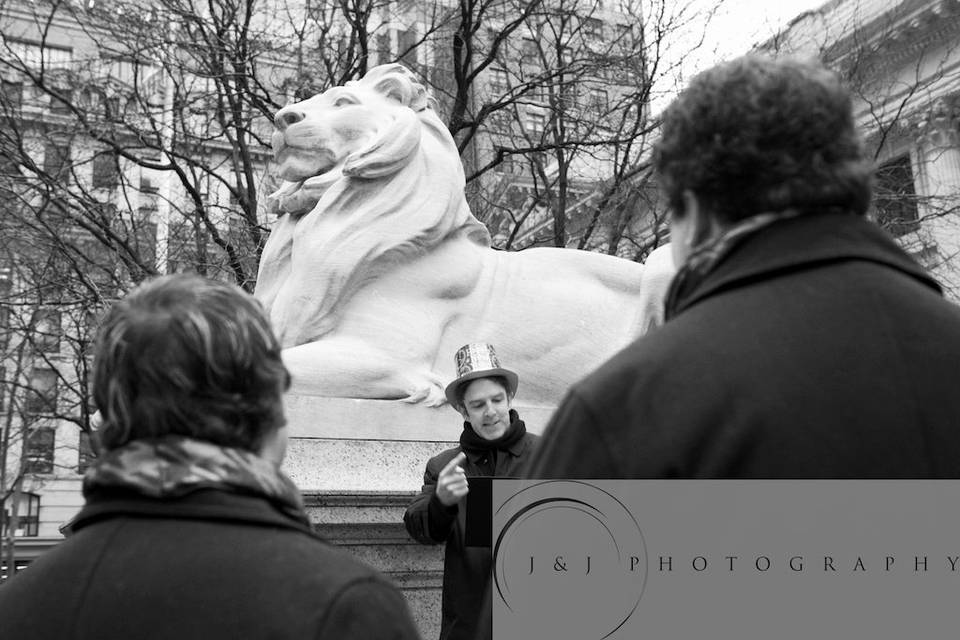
(172, 466)
(704, 258)
(473, 443)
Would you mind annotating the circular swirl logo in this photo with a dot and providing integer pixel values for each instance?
(569, 562)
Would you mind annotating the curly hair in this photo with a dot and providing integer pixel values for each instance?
(757, 134)
(185, 355)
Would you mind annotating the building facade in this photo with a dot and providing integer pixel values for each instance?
(902, 61)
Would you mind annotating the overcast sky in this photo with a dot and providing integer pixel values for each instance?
(741, 23)
(736, 26)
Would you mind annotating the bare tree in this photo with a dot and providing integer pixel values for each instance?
(556, 138)
(136, 141)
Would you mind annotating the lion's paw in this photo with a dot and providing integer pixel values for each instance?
(429, 392)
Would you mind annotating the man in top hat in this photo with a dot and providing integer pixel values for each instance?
(494, 442)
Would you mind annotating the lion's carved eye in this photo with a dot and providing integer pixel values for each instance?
(344, 101)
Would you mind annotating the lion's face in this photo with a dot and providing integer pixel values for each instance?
(315, 137)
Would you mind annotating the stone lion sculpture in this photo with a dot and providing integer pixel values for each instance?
(376, 271)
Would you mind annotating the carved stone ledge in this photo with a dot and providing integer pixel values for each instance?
(939, 124)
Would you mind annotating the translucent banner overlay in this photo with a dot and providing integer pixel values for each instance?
(682, 559)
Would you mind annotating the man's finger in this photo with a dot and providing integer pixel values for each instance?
(457, 461)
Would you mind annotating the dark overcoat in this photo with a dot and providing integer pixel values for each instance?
(815, 349)
(466, 570)
(209, 565)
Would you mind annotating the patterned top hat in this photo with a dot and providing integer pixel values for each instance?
(478, 360)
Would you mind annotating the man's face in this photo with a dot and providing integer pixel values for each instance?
(486, 406)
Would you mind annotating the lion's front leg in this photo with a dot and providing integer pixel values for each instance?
(351, 368)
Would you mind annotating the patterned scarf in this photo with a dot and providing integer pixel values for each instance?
(172, 466)
(704, 258)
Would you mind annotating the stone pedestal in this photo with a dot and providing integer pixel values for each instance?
(359, 463)
(369, 525)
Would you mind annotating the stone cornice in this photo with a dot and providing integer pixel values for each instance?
(892, 39)
(842, 31)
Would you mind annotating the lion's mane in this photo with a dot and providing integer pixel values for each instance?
(397, 199)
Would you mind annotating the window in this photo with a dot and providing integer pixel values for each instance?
(28, 521)
(515, 197)
(113, 107)
(147, 187)
(535, 123)
(39, 451)
(11, 96)
(895, 200)
(85, 454)
(598, 101)
(569, 95)
(499, 83)
(6, 303)
(126, 70)
(146, 240)
(529, 52)
(105, 171)
(41, 393)
(9, 169)
(593, 28)
(499, 121)
(61, 105)
(56, 159)
(148, 197)
(383, 48)
(540, 92)
(46, 331)
(508, 163)
(407, 41)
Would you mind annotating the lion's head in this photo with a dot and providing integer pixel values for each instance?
(372, 178)
(366, 129)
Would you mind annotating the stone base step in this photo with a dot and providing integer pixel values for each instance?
(369, 525)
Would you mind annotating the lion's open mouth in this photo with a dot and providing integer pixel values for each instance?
(288, 188)
(299, 196)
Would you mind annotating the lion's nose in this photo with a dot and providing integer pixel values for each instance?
(288, 116)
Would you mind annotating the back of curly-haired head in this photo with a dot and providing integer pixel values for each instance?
(759, 134)
(186, 355)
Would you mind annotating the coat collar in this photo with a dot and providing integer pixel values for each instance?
(800, 243)
(203, 504)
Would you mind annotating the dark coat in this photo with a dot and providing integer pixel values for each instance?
(466, 570)
(209, 565)
(816, 349)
